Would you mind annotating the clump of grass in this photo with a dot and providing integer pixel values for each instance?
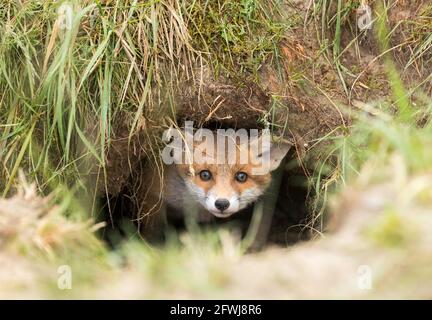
(34, 226)
(394, 132)
(330, 18)
(39, 245)
(69, 69)
(420, 39)
(239, 36)
(393, 128)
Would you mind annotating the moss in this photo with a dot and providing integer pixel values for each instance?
(238, 35)
(391, 230)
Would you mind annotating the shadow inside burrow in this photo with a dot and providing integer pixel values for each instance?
(287, 215)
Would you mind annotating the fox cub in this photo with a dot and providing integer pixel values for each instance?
(215, 185)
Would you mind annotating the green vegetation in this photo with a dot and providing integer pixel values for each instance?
(239, 36)
(64, 83)
(64, 89)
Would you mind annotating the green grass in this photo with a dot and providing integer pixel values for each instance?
(61, 89)
(385, 130)
(238, 35)
(420, 39)
(62, 92)
(329, 18)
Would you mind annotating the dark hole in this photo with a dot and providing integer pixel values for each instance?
(215, 124)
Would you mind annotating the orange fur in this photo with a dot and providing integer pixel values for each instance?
(183, 183)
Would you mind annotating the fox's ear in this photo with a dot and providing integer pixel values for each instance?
(270, 154)
(179, 146)
(277, 152)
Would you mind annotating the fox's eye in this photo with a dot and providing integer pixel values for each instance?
(241, 176)
(205, 175)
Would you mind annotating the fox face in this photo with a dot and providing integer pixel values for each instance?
(224, 189)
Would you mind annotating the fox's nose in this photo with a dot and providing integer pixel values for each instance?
(222, 204)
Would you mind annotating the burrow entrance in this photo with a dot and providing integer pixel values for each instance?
(225, 105)
(290, 220)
